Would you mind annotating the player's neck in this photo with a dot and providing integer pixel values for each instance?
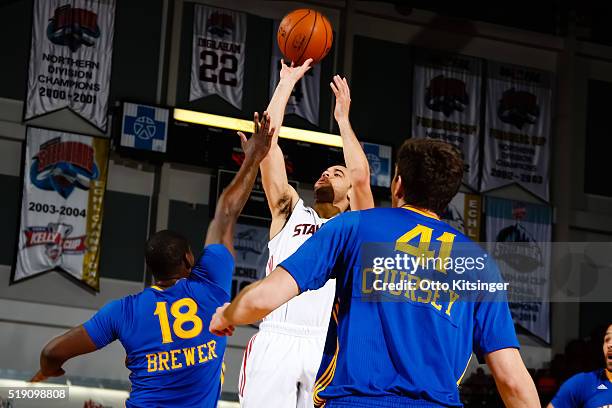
(326, 210)
(608, 374)
(422, 210)
(166, 283)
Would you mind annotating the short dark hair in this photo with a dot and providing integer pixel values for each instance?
(165, 253)
(431, 173)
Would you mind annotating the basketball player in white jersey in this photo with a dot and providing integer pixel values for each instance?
(280, 362)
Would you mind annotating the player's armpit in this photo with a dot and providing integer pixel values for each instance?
(513, 381)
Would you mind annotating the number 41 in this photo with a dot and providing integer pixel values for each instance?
(422, 250)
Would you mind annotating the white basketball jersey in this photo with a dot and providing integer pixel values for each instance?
(310, 308)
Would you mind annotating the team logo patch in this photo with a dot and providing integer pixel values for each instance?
(73, 27)
(516, 246)
(55, 238)
(220, 24)
(446, 95)
(62, 166)
(518, 107)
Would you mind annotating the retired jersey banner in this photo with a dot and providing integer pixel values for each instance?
(517, 135)
(217, 67)
(464, 214)
(446, 104)
(70, 59)
(304, 100)
(518, 235)
(62, 205)
(144, 127)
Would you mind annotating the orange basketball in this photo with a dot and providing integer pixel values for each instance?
(304, 34)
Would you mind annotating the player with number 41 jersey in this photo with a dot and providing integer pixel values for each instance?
(173, 359)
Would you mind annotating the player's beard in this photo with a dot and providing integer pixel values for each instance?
(324, 194)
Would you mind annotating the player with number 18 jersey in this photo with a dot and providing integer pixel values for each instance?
(169, 349)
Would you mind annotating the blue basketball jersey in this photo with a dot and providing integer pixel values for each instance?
(174, 360)
(585, 390)
(391, 341)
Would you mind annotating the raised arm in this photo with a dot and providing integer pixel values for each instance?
(354, 157)
(280, 195)
(514, 383)
(74, 342)
(235, 195)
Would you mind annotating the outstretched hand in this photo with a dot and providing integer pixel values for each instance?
(258, 145)
(40, 377)
(219, 325)
(342, 92)
(294, 73)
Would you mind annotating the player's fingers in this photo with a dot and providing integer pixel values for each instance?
(283, 63)
(243, 138)
(339, 84)
(256, 122)
(38, 377)
(334, 89)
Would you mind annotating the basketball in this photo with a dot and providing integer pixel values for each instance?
(304, 34)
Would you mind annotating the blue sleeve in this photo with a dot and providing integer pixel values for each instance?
(568, 395)
(312, 264)
(216, 265)
(103, 327)
(493, 325)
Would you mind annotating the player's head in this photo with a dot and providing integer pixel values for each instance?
(333, 187)
(607, 347)
(428, 174)
(168, 255)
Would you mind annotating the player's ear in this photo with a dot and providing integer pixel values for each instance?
(397, 187)
(189, 259)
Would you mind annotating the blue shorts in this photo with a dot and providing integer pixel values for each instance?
(382, 402)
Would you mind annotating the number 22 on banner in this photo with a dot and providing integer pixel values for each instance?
(210, 65)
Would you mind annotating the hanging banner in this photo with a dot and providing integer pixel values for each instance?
(217, 67)
(464, 214)
(304, 100)
(144, 127)
(519, 236)
(517, 135)
(446, 104)
(70, 59)
(62, 205)
(251, 246)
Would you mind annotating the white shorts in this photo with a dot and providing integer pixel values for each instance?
(280, 365)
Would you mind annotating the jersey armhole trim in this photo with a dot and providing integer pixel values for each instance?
(287, 219)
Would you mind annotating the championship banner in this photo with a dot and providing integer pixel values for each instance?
(70, 59)
(251, 245)
(304, 100)
(217, 67)
(517, 135)
(518, 235)
(62, 205)
(446, 104)
(464, 214)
